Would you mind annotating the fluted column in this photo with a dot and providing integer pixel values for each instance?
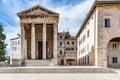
(32, 41)
(55, 40)
(44, 40)
(22, 40)
(25, 48)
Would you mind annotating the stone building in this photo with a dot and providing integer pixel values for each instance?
(39, 27)
(61, 46)
(66, 49)
(15, 51)
(99, 36)
(70, 51)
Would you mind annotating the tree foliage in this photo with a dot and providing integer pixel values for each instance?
(2, 44)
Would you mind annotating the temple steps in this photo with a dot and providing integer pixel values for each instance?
(33, 63)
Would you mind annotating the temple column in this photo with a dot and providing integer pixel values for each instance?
(55, 40)
(22, 40)
(32, 41)
(44, 40)
(25, 48)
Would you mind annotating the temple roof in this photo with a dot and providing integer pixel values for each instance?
(37, 11)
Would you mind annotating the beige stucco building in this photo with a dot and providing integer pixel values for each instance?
(39, 27)
(67, 53)
(99, 36)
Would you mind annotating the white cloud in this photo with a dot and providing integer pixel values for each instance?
(11, 32)
(71, 16)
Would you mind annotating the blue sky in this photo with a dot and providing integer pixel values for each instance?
(72, 14)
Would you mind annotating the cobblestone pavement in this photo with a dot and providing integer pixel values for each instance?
(71, 76)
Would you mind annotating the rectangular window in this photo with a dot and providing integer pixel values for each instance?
(72, 49)
(88, 33)
(79, 43)
(60, 52)
(88, 59)
(114, 46)
(72, 43)
(106, 23)
(114, 59)
(88, 47)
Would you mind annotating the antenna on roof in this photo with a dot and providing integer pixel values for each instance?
(18, 34)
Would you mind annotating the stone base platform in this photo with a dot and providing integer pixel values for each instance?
(72, 69)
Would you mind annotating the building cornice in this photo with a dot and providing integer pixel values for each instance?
(15, 38)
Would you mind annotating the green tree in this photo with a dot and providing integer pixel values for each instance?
(2, 44)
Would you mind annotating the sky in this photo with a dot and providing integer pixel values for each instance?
(72, 14)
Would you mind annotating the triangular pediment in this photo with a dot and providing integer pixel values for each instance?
(37, 10)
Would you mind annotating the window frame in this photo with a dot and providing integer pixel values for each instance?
(106, 22)
(114, 60)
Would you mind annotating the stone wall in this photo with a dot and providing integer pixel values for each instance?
(111, 11)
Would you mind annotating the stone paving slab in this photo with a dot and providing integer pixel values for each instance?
(60, 76)
(55, 70)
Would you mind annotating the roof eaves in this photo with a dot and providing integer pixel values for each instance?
(87, 17)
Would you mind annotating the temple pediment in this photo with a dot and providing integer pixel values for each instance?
(37, 11)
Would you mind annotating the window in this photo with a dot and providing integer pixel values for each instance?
(12, 42)
(84, 37)
(60, 43)
(60, 52)
(106, 23)
(85, 59)
(67, 43)
(88, 47)
(68, 49)
(114, 59)
(15, 48)
(88, 33)
(114, 46)
(72, 43)
(88, 59)
(60, 37)
(72, 49)
(79, 43)
(18, 42)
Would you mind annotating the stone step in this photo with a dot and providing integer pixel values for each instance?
(115, 66)
(55, 70)
(31, 63)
